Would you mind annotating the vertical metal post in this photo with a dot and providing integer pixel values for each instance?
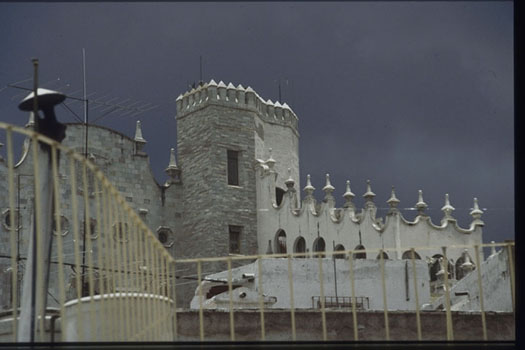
(416, 296)
(383, 284)
(450, 331)
(481, 301)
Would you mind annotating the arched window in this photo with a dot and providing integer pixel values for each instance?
(280, 242)
(435, 266)
(6, 222)
(339, 248)
(359, 255)
(319, 246)
(385, 256)
(64, 225)
(279, 194)
(299, 246)
(165, 236)
(408, 255)
(92, 228)
(461, 271)
(120, 232)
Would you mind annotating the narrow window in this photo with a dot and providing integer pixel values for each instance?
(233, 168)
(235, 239)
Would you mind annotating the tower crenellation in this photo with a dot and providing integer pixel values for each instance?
(235, 97)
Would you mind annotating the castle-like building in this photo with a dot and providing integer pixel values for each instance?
(233, 187)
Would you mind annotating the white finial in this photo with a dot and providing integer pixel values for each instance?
(270, 161)
(277, 104)
(173, 163)
(230, 86)
(348, 195)
(447, 208)
(328, 186)
(393, 201)
(212, 83)
(240, 87)
(289, 182)
(173, 170)
(138, 133)
(369, 193)
(476, 212)
(309, 189)
(421, 205)
(221, 84)
(179, 98)
(249, 89)
(269, 102)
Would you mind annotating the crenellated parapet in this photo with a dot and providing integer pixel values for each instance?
(350, 226)
(238, 97)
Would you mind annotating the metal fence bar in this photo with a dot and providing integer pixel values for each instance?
(59, 245)
(174, 293)
(108, 263)
(232, 325)
(14, 258)
(321, 286)
(201, 315)
(292, 308)
(383, 285)
(450, 330)
(261, 301)
(416, 294)
(39, 236)
(481, 301)
(87, 239)
(76, 238)
(352, 288)
(512, 277)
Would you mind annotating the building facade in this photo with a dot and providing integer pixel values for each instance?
(233, 187)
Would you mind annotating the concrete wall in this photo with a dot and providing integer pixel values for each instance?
(399, 283)
(339, 325)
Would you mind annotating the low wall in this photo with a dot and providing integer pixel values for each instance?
(339, 325)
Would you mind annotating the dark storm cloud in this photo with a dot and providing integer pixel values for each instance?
(418, 95)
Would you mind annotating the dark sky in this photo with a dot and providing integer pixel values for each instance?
(417, 95)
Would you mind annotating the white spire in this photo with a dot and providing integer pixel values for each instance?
(309, 189)
(447, 208)
(138, 133)
(221, 84)
(369, 193)
(393, 201)
(230, 86)
(240, 87)
(421, 205)
(212, 83)
(173, 163)
(476, 212)
(348, 196)
(328, 186)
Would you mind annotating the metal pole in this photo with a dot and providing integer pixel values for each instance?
(335, 273)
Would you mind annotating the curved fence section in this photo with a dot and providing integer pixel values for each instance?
(88, 253)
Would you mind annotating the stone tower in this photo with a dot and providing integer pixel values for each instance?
(222, 133)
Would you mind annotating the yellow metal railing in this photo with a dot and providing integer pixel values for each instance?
(125, 280)
(122, 273)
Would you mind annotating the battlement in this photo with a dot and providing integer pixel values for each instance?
(235, 97)
(317, 223)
